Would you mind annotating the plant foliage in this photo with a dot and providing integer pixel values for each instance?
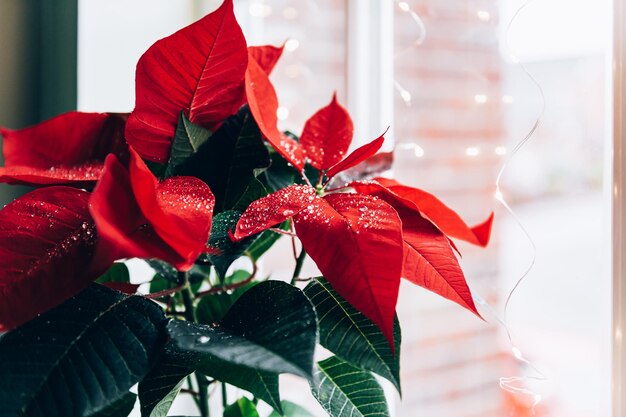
(200, 182)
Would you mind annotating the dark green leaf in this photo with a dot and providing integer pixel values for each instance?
(265, 241)
(211, 309)
(279, 175)
(352, 336)
(311, 173)
(167, 277)
(120, 408)
(242, 408)
(160, 387)
(187, 140)
(158, 170)
(163, 269)
(291, 410)
(263, 385)
(345, 390)
(97, 345)
(174, 365)
(118, 272)
(229, 251)
(230, 159)
(272, 327)
(254, 191)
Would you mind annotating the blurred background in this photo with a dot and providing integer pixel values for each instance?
(451, 79)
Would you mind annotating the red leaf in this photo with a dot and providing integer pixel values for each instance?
(137, 216)
(273, 209)
(263, 106)
(356, 242)
(327, 135)
(67, 149)
(79, 176)
(47, 239)
(199, 69)
(429, 260)
(357, 156)
(446, 219)
(266, 56)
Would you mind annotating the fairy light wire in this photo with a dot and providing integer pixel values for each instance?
(421, 37)
(512, 384)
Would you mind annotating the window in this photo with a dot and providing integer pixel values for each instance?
(452, 80)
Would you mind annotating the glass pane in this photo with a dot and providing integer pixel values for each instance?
(463, 103)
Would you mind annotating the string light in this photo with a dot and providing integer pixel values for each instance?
(472, 151)
(404, 93)
(282, 113)
(291, 45)
(500, 150)
(480, 98)
(484, 15)
(506, 99)
(260, 10)
(290, 13)
(404, 6)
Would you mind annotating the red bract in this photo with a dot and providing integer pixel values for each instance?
(266, 56)
(327, 135)
(67, 149)
(357, 156)
(263, 104)
(199, 69)
(274, 209)
(446, 219)
(355, 240)
(137, 216)
(47, 238)
(430, 262)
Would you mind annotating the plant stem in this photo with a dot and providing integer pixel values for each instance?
(299, 263)
(203, 390)
(224, 396)
(190, 315)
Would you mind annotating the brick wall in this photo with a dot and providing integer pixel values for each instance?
(451, 361)
(448, 142)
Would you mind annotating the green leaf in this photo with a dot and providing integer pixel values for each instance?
(230, 159)
(163, 269)
(291, 410)
(345, 390)
(157, 169)
(80, 357)
(311, 173)
(229, 251)
(263, 385)
(350, 335)
(118, 272)
(187, 140)
(174, 365)
(279, 175)
(242, 408)
(272, 327)
(120, 408)
(166, 276)
(211, 309)
(254, 191)
(265, 241)
(160, 387)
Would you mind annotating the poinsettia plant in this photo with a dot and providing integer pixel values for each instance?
(198, 176)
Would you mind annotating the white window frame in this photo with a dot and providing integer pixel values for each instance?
(619, 209)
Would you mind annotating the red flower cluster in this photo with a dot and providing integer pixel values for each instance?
(54, 241)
